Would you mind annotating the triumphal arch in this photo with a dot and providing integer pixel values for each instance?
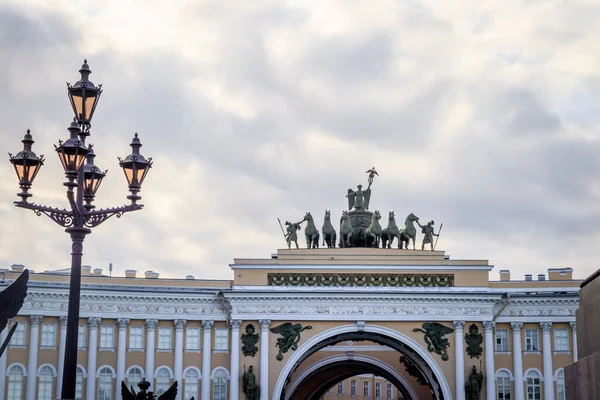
(361, 308)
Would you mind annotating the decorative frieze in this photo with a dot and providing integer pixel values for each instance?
(354, 279)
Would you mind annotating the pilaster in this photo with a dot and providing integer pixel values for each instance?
(459, 357)
(150, 344)
(32, 361)
(264, 359)
(123, 323)
(206, 350)
(547, 357)
(178, 367)
(517, 359)
(490, 381)
(90, 389)
(235, 358)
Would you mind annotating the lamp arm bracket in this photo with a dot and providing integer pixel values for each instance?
(96, 217)
(64, 218)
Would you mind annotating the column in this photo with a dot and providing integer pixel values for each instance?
(206, 348)
(517, 359)
(90, 387)
(547, 355)
(122, 323)
(264, 359)
(235, 358)
(150, 341)
(178, 367)
(490, 370)
(574, 332)
(459, 357)
(34, 338)
(3, 336)
(62, 342)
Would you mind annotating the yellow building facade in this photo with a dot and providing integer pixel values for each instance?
(313, 323)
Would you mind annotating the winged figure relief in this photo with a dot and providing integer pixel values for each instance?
(144, 394)
(434, 333)
(290, 337)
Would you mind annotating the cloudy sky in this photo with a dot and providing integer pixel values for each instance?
(482, 115)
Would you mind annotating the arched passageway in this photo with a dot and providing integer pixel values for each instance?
(418, 356)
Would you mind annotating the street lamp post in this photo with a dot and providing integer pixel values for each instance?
(83, 180)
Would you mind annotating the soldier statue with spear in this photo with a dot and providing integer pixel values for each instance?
(429, 232)
(291, 235)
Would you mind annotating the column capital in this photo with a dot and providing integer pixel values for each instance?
(488, 325)
(62, 320)
(546, 326)
(207, 325)
(516, 326)
(93, 322)
(573, 325)
(35, 319)
(179, 324)
(123, 322)
(235, 324)
(151, 324)
(459, 325)
(264, 323)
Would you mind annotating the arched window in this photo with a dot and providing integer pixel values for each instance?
(15, 382)
(560, 385)
(79, 383)
(105, 384)
(503, 385)
(534, 386)
(134, 376)
(220, 385)
(191, 384)
(46, 380)
(163, 380)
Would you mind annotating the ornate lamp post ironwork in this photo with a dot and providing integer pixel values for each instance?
(83, 180)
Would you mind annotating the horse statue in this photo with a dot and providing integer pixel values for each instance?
(392, 231)
(311, 232)
(373, 233)
(346, 230)
(409, 231)
(329, 233)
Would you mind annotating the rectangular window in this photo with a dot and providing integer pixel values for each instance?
(18, 338)
(390, 391)
(81, 337)
(340, 390)
(502, 340)
(192, 338)
(136, 337)
(561, 339)
(353, 388)
(107, 336)
(366, 388)
(164, 338)
(531, 340)
(49, 335)
(221, 339)
(377, 390)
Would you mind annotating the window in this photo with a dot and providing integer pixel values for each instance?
(561, 340)
(18, 338)
(107, 336)
(560, 385)
(134, 376)
(220, 385)
(163, 380)
(353, 388)
(190, 388)
(105, 379)
(531, 340)
(136, 337)
(45, 383)
(340, 390)
(164, 338)
(79, 384)
(503, 385)
(534, 387)
(502, 340)
(366, 388)
(390, 391)
(15, 382)
(378, 390)
(81, 337)
(49, 335)
(221, 336)
(192, 339)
